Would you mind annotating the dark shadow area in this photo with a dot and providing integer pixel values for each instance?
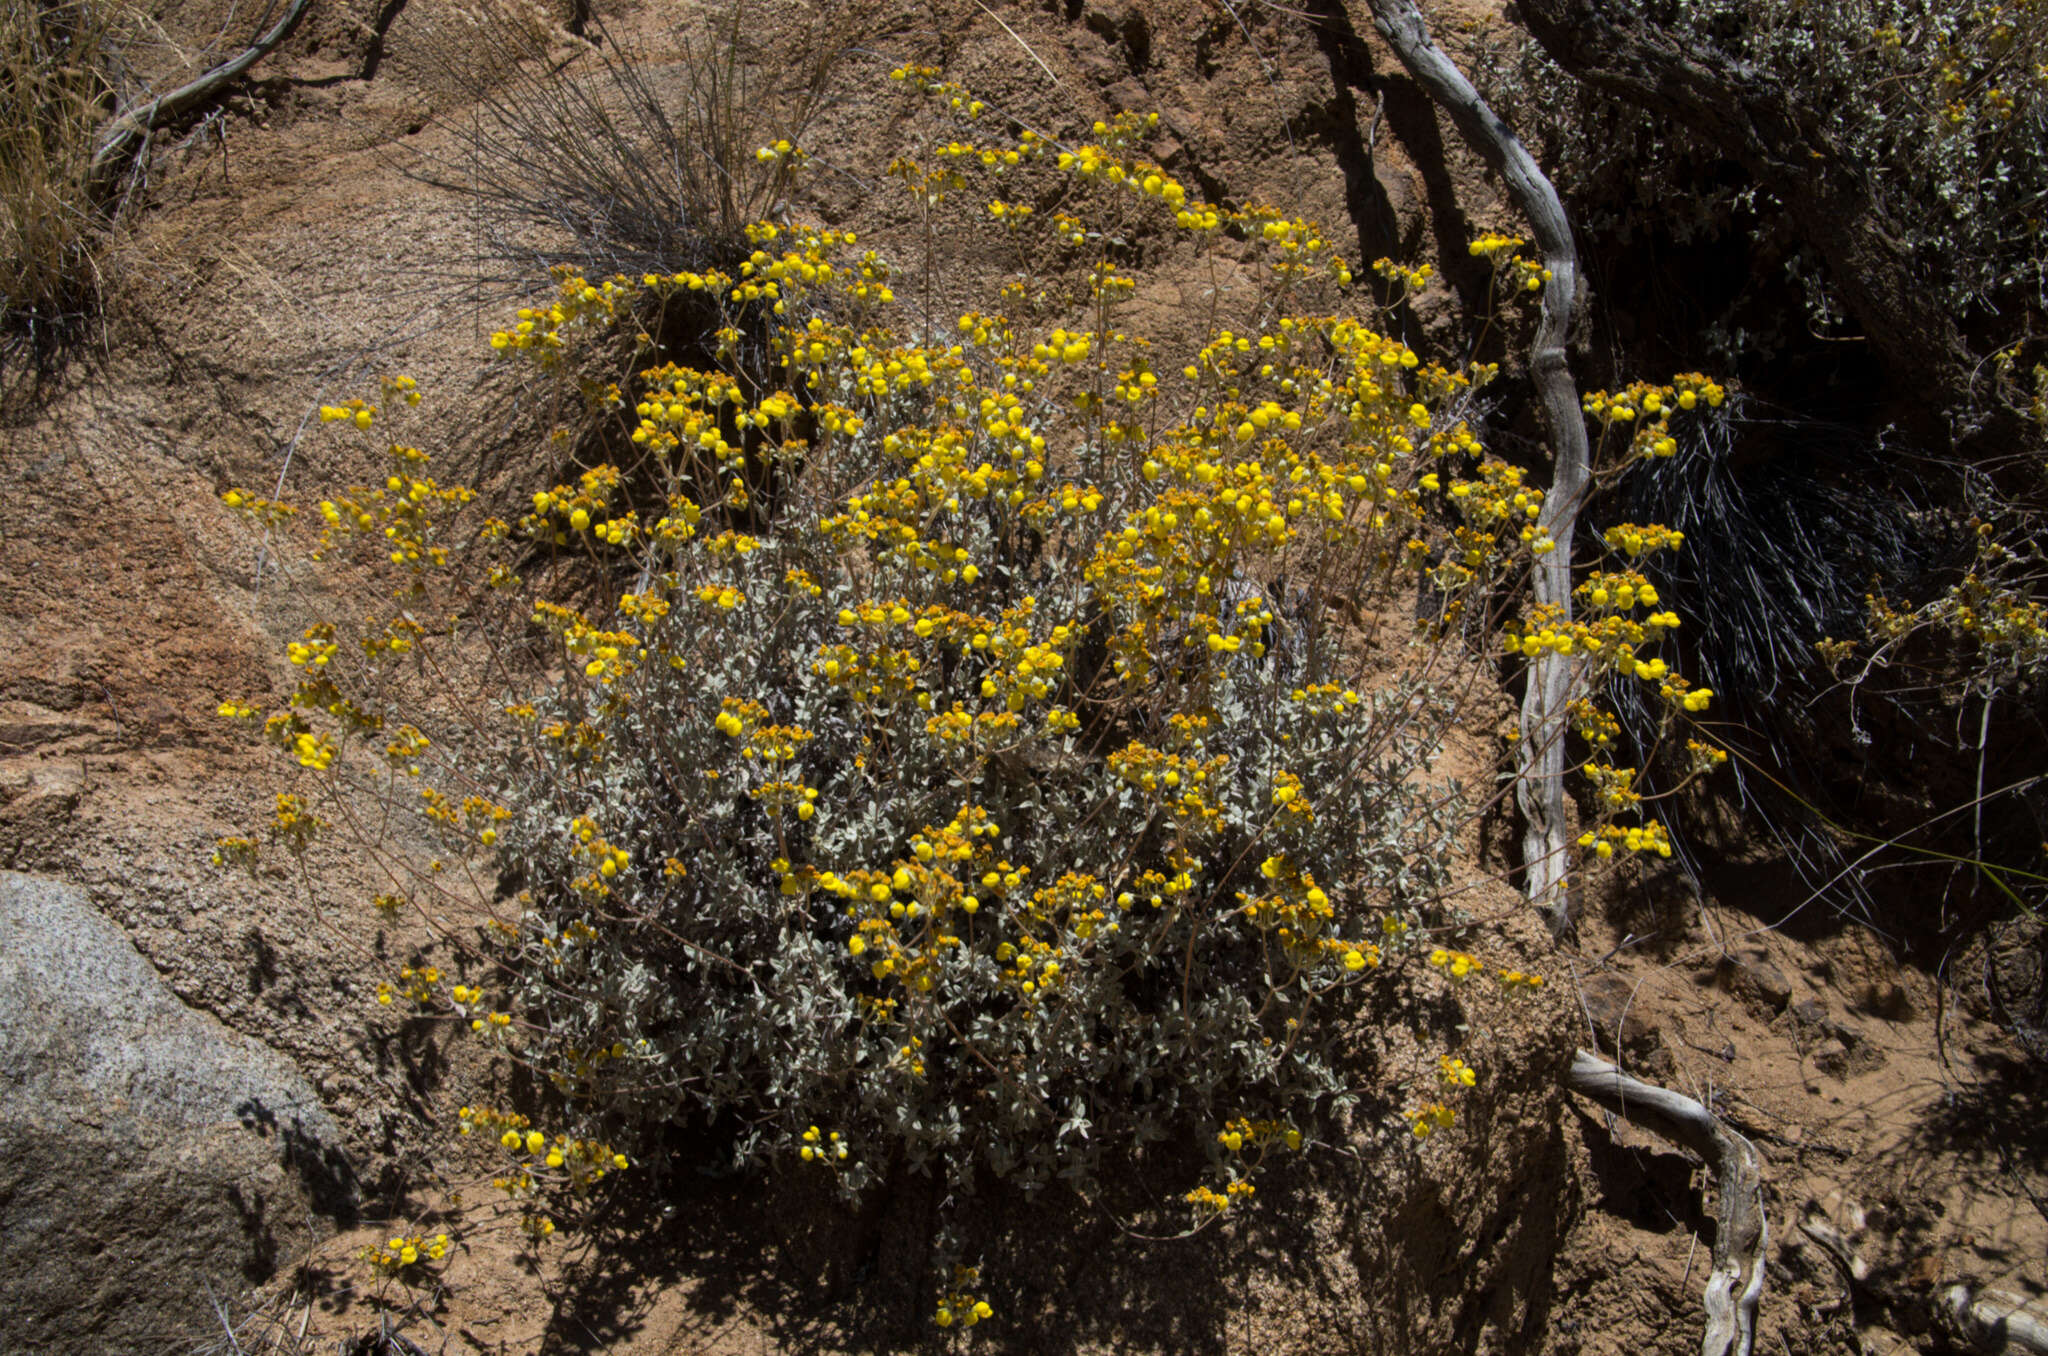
(1865, 782)
(1653, 1189)
(1999, 1119)
(1064, 1276)
(1130, 36)
(1365, 198)
(380, 27)
(1361, 1232)
(250, 1209)
(1412, 118)
(324, 1170)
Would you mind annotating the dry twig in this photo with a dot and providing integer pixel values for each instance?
(1736, 1281)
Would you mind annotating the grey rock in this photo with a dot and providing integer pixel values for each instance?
(148, 1154)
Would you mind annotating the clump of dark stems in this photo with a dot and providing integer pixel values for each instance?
(1790, 524)
(581, 151)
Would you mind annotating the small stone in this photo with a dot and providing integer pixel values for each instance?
(1127, 94)
(1614, 1006)
(1846, 1056)
(1889, 1001)
(1752, 975)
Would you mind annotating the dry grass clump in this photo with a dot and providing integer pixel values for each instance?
(55, 91)
(623, 155)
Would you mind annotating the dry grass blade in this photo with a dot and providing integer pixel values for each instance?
(274, 1327)
(124, 137)
(70, 138)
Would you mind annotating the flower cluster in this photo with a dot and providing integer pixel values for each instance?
(959, 1304)
(1511, 270)
(404, 1255)
(537, 1168)
(1993, 618)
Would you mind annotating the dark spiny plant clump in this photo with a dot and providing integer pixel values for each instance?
(1838, 206)
(584, 153)
(1789, 523)
(1798, 532)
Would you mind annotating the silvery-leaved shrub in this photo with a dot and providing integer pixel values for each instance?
(993, 751)
(975, 774)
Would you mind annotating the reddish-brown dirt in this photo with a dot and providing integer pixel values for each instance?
(288, 252)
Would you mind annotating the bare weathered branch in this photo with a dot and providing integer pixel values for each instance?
(1999, 1321)
(1539, 763)
(1742, 1232)
(121, 139)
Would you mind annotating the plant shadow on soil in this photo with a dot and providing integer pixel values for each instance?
(1997, 1121)
(820, 1277)
(1367, 1246)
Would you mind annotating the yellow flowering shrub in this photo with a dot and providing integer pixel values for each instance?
(963, 751)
